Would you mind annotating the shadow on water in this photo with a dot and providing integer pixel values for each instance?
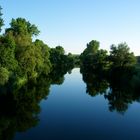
(120, 86)
(19, 105)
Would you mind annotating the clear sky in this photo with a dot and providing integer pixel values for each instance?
(74, 23)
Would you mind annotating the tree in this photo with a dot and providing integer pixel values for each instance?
(21, 26)
(1, 20)
(120, 56)
(29, 57)
(92, 48)
(93, 59)
(7, 53)
(27, 61)
(22, 32)
(43, 64)
(4, 75)
(34, 60)
(60, 50)
(56, 55)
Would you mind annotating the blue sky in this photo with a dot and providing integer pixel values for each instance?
(74, 23)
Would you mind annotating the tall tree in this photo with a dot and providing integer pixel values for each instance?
(92, 59)
(21, 26)
(120, 56)
(22, 31)
(92, 48)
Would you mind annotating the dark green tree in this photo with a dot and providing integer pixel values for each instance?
(29, 56)
(93, 59)
(120, 56)
(92, 48)
(26, 61)
(22, 32)
(43, 64)
(57, 56)
(21, 26)
(7, 53)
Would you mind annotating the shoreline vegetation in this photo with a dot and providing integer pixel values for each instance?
(28, 68)
(22, 59)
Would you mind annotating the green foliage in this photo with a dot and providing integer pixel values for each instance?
(56, 54)
(4, 75)
(120, 56)
(93, 59)
(22, 60)
(26, 61)
(76, 58)
(7, 53)
(92, 48)
(22, 32)
(32, 57)
(43, 64)
(21, 26)
(59, 59)
(116, 71)
(60, 50)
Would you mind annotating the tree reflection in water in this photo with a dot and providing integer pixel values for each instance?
(19, 106)
(124, 85)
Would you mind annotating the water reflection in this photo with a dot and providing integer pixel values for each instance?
(19, 106)
(95, 84)
(124, 89)
(124, 85)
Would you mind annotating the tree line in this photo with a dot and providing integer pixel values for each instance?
(115, 75)
(99, 60)
(22, 59)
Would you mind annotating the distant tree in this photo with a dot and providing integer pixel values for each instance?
(120, 56)
(92, 48)
(71, 60)
(60, 50)
(56, 55)
(138, 59)
(93, 59)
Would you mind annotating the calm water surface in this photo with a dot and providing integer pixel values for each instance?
(69, 113)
